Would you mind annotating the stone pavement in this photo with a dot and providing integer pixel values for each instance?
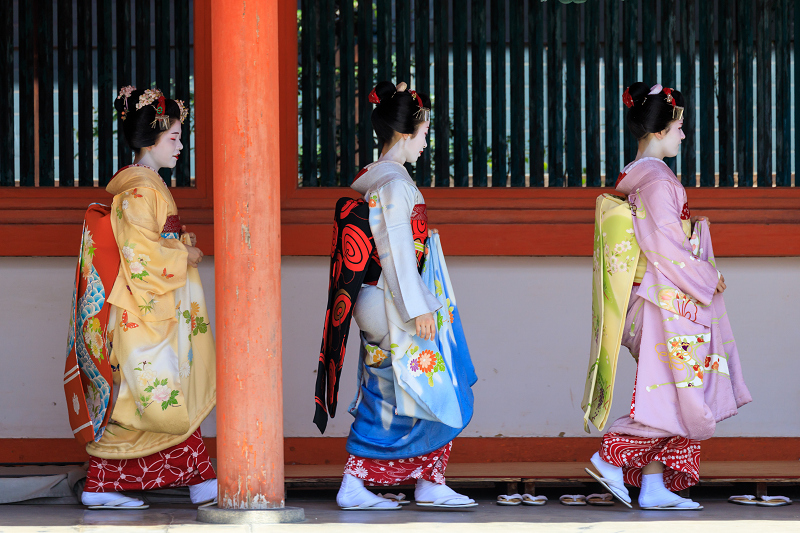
(323, 515)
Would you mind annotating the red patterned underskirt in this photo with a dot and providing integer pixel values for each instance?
(430, 467)
(181, 465)
(681, 458)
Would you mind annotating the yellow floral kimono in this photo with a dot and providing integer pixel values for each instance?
(161, 347)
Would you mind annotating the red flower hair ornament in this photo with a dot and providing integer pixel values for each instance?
(374, 98)
(627, 99)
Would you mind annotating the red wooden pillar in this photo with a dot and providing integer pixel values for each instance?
(247, 241)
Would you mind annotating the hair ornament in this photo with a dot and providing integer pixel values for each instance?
(125, 93)
(162, 119)
(627, 99)
(374, 98)
(184, 110)
(423, 112)
(677, 111)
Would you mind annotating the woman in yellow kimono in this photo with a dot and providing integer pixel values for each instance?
(157, 339)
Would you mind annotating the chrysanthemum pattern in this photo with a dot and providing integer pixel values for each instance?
(182, 465)
(374, 472)
(680, 456)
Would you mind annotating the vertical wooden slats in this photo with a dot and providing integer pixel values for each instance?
(7, 93)
(183, 171)
(162, 53)
(516, 18)
(402, 47)
(384, 35)
(162, 19)
(535, 91)
(143, 42)
(573, 105)
(783, 128)
(422, 77)
(764, 92)
(85, 78)
(688, 80)
(66, 135)
(592, 61)
(27, 160)
(347, 93)
(479, 146)
(308, 82)
(460, 102)
(649, 18)
(668, 47)
(498, 18)
(706, 104)
(124, 73)
(796, 98)
(744, 93)
(555, 104)
(613, 94)
(630, 64)
(44, 47)
(441, 109)
(105, 93)
(365, 83)
(726, 132)
(327, 109)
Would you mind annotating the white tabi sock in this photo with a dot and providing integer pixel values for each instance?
(607, 470)
(102, 498)
(655, 494)
(428, 491)
(352, 493)
(203, 492)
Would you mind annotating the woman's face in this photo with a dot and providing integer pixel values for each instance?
(168, 147)
(415, 145)
(671, 141)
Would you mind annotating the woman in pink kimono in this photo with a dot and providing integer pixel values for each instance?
(688, 373)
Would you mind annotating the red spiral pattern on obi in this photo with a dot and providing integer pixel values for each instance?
(335, 238)
(349, 206)
(356, 248)
(686, 213)
(341, 307)
(419, 226)
(681, 458)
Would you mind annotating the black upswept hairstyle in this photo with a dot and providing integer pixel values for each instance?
(650, 113)
(396, 111)
(139, 133)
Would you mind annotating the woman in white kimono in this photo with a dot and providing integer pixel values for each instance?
(401, 430)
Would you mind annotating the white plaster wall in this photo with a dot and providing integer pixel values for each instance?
(526, 319)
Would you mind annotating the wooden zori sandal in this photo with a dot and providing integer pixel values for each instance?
(530, 499)
(573, 499)
(399, 498)
(743, 499)
(600, 499)
(773, 501)
(513, 499)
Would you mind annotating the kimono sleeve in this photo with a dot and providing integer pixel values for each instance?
(660, 234)
(391, 221)
(150, 263)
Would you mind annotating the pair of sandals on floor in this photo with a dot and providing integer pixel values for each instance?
(764, 501)
(617, 487)
(521, 499)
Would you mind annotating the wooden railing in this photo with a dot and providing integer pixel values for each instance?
(347, 46)
(47, 54)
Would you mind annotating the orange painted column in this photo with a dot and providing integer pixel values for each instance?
(247, 240)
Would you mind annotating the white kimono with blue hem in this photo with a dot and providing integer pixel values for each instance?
(414, 395)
